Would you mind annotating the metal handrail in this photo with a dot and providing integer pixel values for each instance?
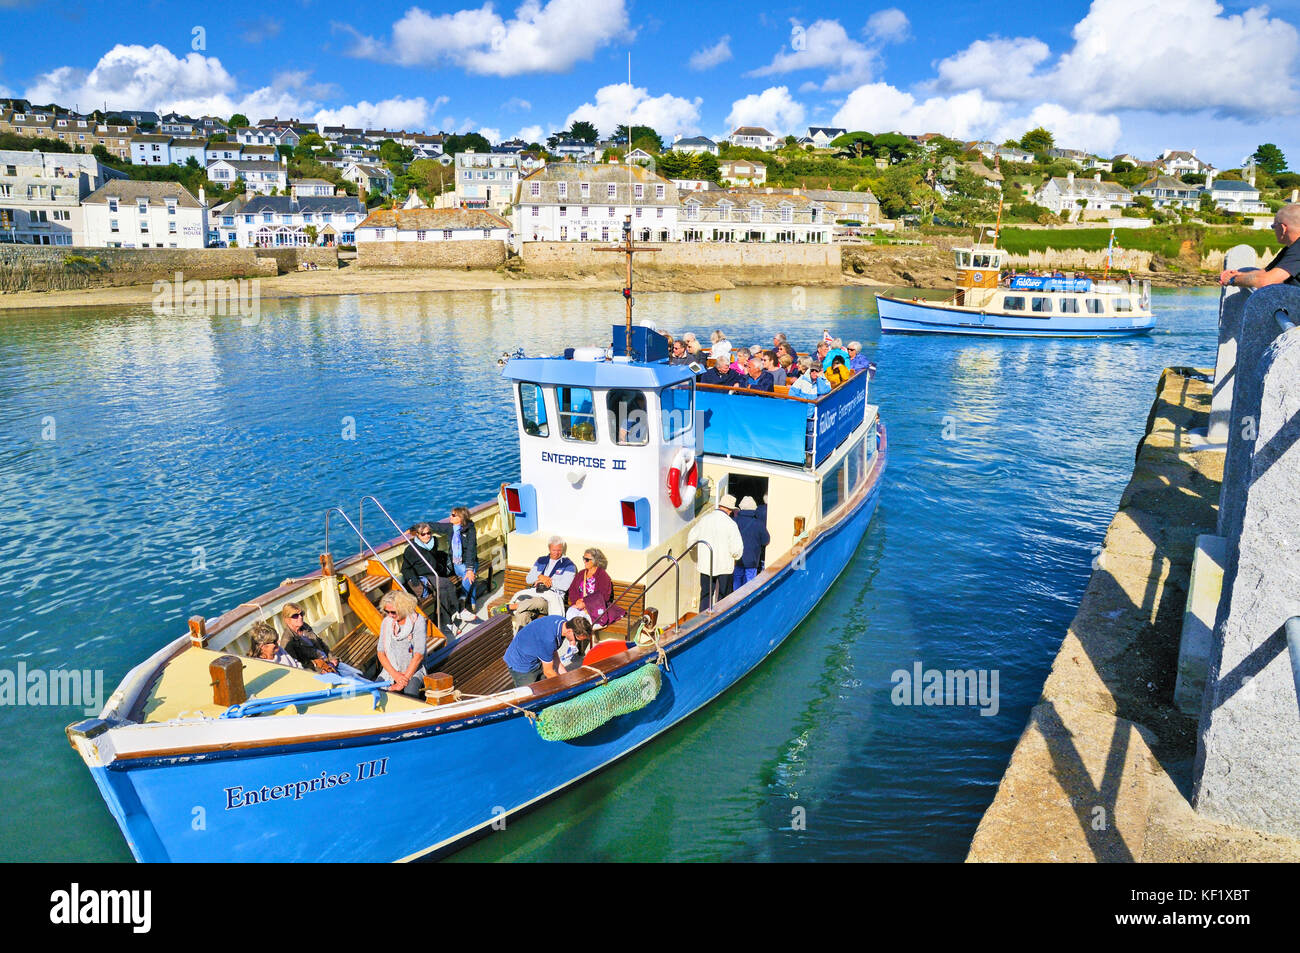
(1283, 318)
(364, 542)
(361, 522)
(1293, 643)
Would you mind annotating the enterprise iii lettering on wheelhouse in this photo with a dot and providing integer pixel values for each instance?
(574, 460)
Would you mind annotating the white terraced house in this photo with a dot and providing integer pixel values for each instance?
(133, 214)
(487, 180)
(41, 194)
(581, 202)
(279, 221)
(739, 216)
(755, 137)
(257, 175)
(696, 144)
(1235, 196)
(823, 136)
(77, 132)
(1167, 192)
(1063, 195)
(1176, 162)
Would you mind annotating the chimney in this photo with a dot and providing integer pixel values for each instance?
(1209, 178)
(203, 199)
(1069, 177)
(1097, 177)
(1250, 174)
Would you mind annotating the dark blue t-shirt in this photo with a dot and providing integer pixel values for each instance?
(1289, 261)
(534, 644)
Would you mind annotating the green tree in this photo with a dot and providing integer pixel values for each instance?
(1269, 158)
(854, 145)
(1038, 141)
(465, 142)
(895, 147)
(238, 119)
(393, 153)
(431, 178)
(643, 137)
(583, 131)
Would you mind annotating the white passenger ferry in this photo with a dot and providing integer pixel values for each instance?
(1022, 305)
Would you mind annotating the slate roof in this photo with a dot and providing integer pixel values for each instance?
(132, 190)
(433, 219)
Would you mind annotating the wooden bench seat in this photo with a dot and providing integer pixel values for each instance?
(632, 601)
(477, 665)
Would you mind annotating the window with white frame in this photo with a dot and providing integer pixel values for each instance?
(659, 191)
(564, 189)
(446, 234)
(613, 190)
(638, 190)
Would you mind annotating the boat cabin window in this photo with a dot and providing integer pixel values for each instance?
(1013, 303)
(1123, 304)
(577, 416)
(532, 410)
(1069, 306)
(1094, 305)
(677, 407)
(833, 490)
(628, 421)
(984, 261)
(1041, 305)
(963, 259)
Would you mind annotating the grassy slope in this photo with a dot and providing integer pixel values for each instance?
(1164, 240)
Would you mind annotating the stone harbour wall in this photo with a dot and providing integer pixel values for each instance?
(59, 268)
(739, 262)
(473, 253)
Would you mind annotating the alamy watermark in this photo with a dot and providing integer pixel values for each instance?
(57, 688)
(240, 297)
(932, 686)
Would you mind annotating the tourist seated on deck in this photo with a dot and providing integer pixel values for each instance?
(677, 354)
(836, 349)
(857, 360)
(693, 349)
(740, 360)
(721, 349)
(838, 372)
(722, 378)
(464, 552)
(531, 655)
(266, 646)
(555, 569)
(308, 648)
(755, 537)
(758, 379)
(785, 347)
(426, 570)
(578, 610)
(788, 367)
(596, 590)
(533, 603)
(773, 366)
(810, 384)
(778, 339)
(403, 641)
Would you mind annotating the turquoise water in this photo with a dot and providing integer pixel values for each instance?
(153, 468)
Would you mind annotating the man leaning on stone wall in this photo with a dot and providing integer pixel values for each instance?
(1282, 269)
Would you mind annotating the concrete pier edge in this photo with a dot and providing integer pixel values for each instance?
(1103, 769)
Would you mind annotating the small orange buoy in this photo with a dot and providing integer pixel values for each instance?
(717, 298)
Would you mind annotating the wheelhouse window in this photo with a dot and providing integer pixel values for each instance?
(629, 423)
(677, 409)
(532, 411)
(577, 414)
(1013, 303)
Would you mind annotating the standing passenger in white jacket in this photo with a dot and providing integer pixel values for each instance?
(719, 530)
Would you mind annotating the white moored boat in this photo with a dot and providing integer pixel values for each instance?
(1022, 305)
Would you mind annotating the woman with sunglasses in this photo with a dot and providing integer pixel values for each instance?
(306, 647)
(595, 590)
(266, 646)
(464, 552)
(403, 640)
(426, 569)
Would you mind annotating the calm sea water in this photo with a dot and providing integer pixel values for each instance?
(153, 468)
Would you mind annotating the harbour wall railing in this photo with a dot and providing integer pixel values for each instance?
(1234, 661)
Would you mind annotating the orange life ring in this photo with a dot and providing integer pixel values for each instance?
(681, 492)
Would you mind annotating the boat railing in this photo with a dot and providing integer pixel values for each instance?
(437, 579)
(677, 579)
(365, 543)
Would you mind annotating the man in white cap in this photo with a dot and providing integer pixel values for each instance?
(719, 531)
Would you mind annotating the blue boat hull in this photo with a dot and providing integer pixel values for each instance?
(906, 317)
(411, 792)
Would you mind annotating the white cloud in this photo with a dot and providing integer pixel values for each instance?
(1003, 68)
(1086, 130)
(531, 134)
(774, 109)
(889, 26)
(1180, 55)
(393, 113)
(514, 102)
(967, 115)
(618, 103)
(540, 38)
(825, 45)
(265, 28)
(490, 134)
(711, 56)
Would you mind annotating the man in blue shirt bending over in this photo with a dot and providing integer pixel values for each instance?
(531, 654)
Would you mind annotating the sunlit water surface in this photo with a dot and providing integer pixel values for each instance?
(153, 468)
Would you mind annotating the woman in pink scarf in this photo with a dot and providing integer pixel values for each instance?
(596, 590)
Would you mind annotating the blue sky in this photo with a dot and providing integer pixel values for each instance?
(1105, 75)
